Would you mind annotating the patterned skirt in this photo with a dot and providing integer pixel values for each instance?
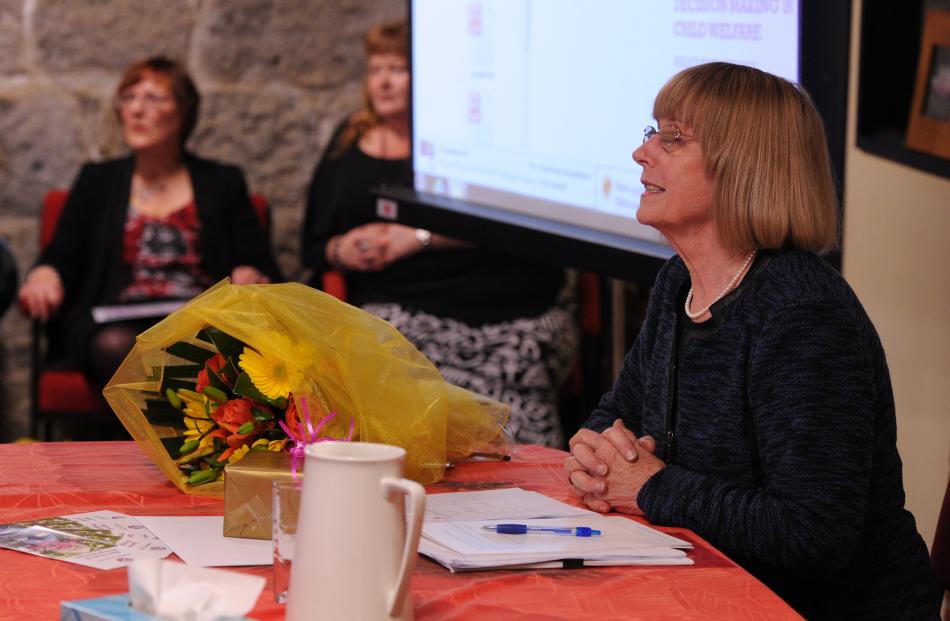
(521, 362)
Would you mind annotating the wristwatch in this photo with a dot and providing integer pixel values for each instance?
(424, 237)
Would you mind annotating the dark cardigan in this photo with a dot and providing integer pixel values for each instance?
(785, 436)
(86, 248)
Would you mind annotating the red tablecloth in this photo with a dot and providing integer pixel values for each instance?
(44, 480)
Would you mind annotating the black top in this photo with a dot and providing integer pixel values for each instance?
(8, 276)
(785, 439)
(86, 248)
(470, 284)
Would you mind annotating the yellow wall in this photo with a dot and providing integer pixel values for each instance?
(897, 258)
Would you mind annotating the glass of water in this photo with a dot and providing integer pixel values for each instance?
(286, 503)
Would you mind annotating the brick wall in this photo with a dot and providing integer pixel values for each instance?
(275, 77)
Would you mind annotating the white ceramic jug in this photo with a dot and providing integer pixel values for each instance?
(356, 545)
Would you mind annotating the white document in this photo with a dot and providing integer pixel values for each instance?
(453, 534)
(455, 562)
(619, 535)
(508, 503)
(197, 540)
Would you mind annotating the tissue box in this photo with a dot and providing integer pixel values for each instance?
(247, 492)
(110, 608)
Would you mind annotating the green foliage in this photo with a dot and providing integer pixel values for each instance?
(190, 352)
(216, 381)
(161, 412)
(262, 414)
(182, 370)
(246, 388)
(176, 383)
(171, 446)
(227, 345)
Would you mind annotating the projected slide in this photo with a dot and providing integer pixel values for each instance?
(535, 106)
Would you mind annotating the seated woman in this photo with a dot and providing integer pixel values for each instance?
(489, 321)
(757, 370)
(160, 224)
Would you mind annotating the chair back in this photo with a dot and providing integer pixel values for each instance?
(262, 211)
(53, 203)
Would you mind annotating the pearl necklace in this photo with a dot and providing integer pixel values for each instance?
(143, 193)
(729, 287)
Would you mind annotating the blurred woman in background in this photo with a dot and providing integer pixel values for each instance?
(491, 322)
(159, 224)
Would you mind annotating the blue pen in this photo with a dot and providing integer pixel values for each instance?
(523, 529)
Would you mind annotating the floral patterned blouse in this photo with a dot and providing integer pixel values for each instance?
(163, 256)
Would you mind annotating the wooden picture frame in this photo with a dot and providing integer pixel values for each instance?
(928, 129)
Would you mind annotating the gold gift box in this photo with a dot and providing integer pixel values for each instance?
(247, 492)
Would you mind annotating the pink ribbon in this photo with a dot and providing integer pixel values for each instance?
(306, 434)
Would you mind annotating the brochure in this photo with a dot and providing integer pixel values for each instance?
(100, 539)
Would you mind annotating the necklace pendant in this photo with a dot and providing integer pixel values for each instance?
(144, 193)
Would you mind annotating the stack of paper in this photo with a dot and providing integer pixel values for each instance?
(454, 534)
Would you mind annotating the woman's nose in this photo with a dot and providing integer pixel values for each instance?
(642, 155)
(135, 105)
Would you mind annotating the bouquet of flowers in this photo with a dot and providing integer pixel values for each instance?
(274, 367)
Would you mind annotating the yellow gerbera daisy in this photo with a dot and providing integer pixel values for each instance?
(269, 374)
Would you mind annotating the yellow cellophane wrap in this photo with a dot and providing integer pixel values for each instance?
(349, 362)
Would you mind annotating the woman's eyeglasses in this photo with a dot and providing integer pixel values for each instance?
(149, 101)
(671, 137)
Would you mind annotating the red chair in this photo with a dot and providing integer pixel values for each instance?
(335, 284)
(66, 392)
(586, 382)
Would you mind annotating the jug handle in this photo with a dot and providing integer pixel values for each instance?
(416, 496)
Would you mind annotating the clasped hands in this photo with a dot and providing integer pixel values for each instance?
(374, 246)
(248, 275)
(606, 470)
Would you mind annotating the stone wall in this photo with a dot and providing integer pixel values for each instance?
(275, 77)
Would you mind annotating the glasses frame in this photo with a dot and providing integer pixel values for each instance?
(671, 136)
(148, 101)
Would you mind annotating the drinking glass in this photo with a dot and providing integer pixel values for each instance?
(286, 507)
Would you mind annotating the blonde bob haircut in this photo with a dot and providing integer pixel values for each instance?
(390, 38)
(764, 144)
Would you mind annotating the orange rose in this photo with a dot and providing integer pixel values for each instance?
(232, 414)
(290, 414)
(292, 417)
(215, 363)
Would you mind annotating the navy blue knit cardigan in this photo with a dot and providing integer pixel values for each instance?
(785, 437)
